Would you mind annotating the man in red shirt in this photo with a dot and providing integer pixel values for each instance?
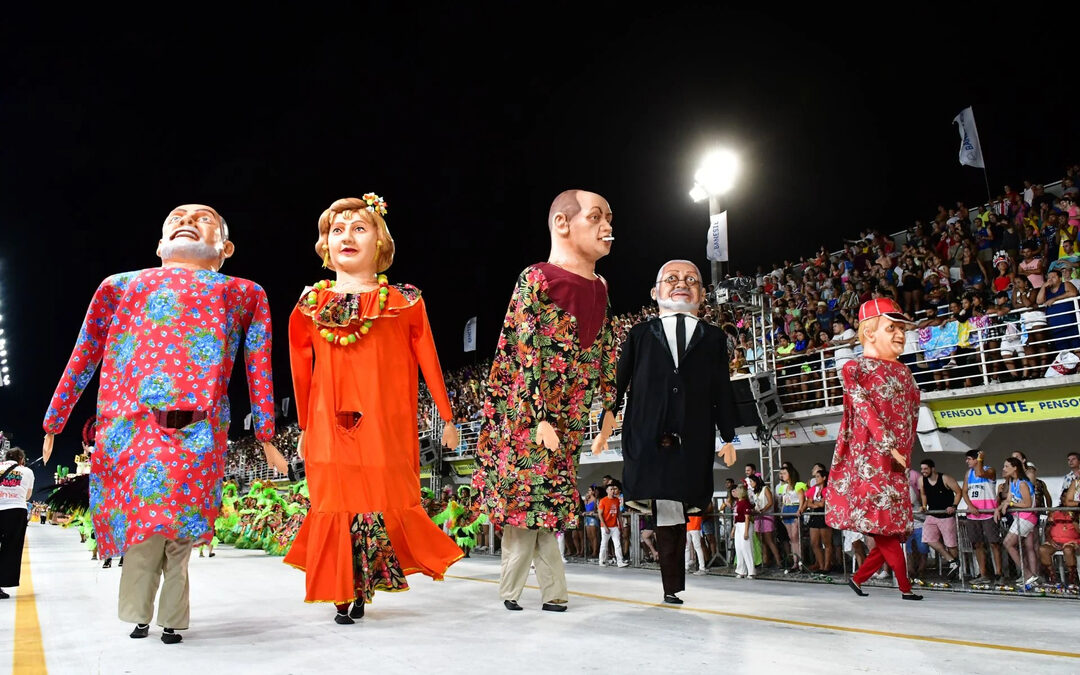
(609, 525)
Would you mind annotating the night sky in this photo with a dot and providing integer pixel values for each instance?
(469, 123)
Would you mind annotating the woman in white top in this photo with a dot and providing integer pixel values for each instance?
(16, 486)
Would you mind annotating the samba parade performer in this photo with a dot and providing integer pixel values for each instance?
(868, 483)
(462, 520)
(555, 354)
(355, 343)
(167, 338)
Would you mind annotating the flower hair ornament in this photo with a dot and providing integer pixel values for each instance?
(375, 203)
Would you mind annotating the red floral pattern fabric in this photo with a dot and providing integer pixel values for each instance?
(868, 489)
(540, 372)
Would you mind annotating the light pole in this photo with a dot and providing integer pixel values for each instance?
(716, 177)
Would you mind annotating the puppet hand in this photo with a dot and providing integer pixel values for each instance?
(275, 458)
(450, 437)
(46, 448)
(900, 459)
(300, 444)
(599, 444)
(727, 453)
(607, 426)
(546, 436)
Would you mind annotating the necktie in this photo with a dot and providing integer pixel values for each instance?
(680, 337)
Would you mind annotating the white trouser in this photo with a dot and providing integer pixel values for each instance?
(610, 534)
(744, 551)
(693, 538)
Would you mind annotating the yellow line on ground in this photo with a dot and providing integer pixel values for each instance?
(28, 654)
(806, 624)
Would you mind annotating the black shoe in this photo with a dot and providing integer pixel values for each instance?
(553, 607)
(121, 563)
(141, 630)
(343, 619)
(911, 596)
(954, 569)
(171, 637)
(855, 587)
(672, 599)
(512, 605)
(357, 611)
(212, 554)
(107, 564)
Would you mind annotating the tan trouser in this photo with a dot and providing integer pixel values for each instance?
(144, 564)
(520, 549)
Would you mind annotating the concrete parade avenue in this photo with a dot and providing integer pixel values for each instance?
(248, 616)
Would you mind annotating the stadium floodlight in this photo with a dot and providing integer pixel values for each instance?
(698, 193)
(717, 173)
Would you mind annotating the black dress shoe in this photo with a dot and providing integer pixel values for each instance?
(170, 637)
(553, 607)
(140, 631)
(855, 587)
(911, 596)
(107, 564)
(343, 619)
(512, 605)
(3, 595)
(357, 611)
(672, 599)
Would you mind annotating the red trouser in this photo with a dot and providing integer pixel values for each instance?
(887, 549)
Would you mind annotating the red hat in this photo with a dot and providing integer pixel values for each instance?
(886, 307)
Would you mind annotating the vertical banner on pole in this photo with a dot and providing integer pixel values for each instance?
(470, 335)
(970, 149)
(716, 246)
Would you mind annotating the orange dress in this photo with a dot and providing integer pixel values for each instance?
(356, 404)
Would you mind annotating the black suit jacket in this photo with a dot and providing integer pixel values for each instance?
(693, 401)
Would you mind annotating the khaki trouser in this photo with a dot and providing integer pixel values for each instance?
(144, 564)
(523, 547)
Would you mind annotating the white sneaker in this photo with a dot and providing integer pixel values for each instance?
(740, 576)
(883, 574)
(700, 573)
(603, 564)
(624, 564)
(564, 560)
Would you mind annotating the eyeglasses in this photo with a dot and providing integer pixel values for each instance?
(690, 280)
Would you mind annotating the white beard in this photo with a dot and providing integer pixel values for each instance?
(190, 250)
(669, 305)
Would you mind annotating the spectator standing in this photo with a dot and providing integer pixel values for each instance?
(693, 546)
(1020, 496)
(982, 529)
(609, 526)
(764, 521)
(792, 494)
(821, 535)
(940, 492)
(16, 487)
(744, 545)
(592, 521)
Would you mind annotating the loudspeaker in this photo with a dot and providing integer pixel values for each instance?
(428, 453)
(747, 415)
(770, 409)
(741, 388)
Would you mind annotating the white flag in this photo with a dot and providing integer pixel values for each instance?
(970, 150)
(470, 335)
(716, 246)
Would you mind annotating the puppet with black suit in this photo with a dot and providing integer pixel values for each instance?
(678, 400)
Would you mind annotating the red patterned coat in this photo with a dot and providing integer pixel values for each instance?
(868, 490)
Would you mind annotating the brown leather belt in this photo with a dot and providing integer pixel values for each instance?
(178, 419)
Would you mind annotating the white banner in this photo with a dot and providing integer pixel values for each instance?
(970, 150)
(470, 335)
(716, 246)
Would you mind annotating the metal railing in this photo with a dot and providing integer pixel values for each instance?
(990, 349)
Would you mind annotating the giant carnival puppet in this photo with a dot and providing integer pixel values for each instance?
(555, 355)
(868, 483)
(167, 338)
(676, 369)
(355, 343)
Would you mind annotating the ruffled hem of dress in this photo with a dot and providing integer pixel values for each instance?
(338, 310)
